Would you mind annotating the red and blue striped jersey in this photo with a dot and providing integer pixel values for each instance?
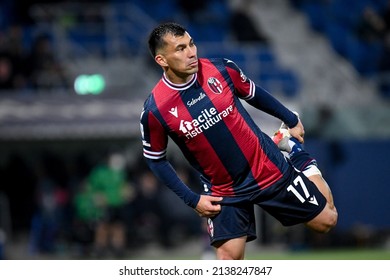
(208, 122)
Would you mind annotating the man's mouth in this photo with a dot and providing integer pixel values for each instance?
(194, 63)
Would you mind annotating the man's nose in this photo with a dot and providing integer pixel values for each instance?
(191, 52)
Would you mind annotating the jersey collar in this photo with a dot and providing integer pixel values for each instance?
(179, 86)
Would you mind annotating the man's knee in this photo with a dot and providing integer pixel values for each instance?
(325, 221)
(233, 249)
(226, 255)
(329, 223)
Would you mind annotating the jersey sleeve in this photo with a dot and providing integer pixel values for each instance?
(167, 175)
(257, 96)
(154, 141)
(154, 138)
(244, 87)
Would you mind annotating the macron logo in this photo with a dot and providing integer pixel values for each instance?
(173, 111)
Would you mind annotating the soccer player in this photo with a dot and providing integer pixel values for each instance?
(197, 104)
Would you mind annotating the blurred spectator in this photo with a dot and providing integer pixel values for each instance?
(153, 216)
(44, 70)
(385, 61)
(148, 212)
(48, 224)
(183, 223)
(5, 224)
(209, 18)
(6, 72)
(193, 10)
(12, 56)
(324, 117)
(18, 182)
(386, 16)
(108, 194)
(371, 27)
(86, 215)
(243, 27)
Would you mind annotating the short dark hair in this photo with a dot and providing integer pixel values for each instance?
(156, 36)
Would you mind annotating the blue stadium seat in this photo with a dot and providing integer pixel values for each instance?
(266, 55)
(290, 82)
(159, 10)
(317, 15)
(338, 35)
(92, 40)
(364, 56)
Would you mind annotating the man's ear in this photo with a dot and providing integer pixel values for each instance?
(160, 59)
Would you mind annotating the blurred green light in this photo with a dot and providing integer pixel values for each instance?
(89, 84)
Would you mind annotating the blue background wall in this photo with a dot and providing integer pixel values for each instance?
(359, 175)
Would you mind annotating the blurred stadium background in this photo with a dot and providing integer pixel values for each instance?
(74, 75)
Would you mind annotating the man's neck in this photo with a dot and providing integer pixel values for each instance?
(174, 79)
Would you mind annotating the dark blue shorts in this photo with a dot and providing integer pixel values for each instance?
(293, 201)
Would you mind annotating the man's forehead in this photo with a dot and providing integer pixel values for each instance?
(171, 38)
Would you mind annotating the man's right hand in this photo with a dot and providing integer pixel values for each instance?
(208, 206)
(298, 131)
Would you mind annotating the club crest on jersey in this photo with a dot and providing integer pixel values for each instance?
(210, 227)
(215, 85)
(243, 77)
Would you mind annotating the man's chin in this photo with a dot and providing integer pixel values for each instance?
(193, 70)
